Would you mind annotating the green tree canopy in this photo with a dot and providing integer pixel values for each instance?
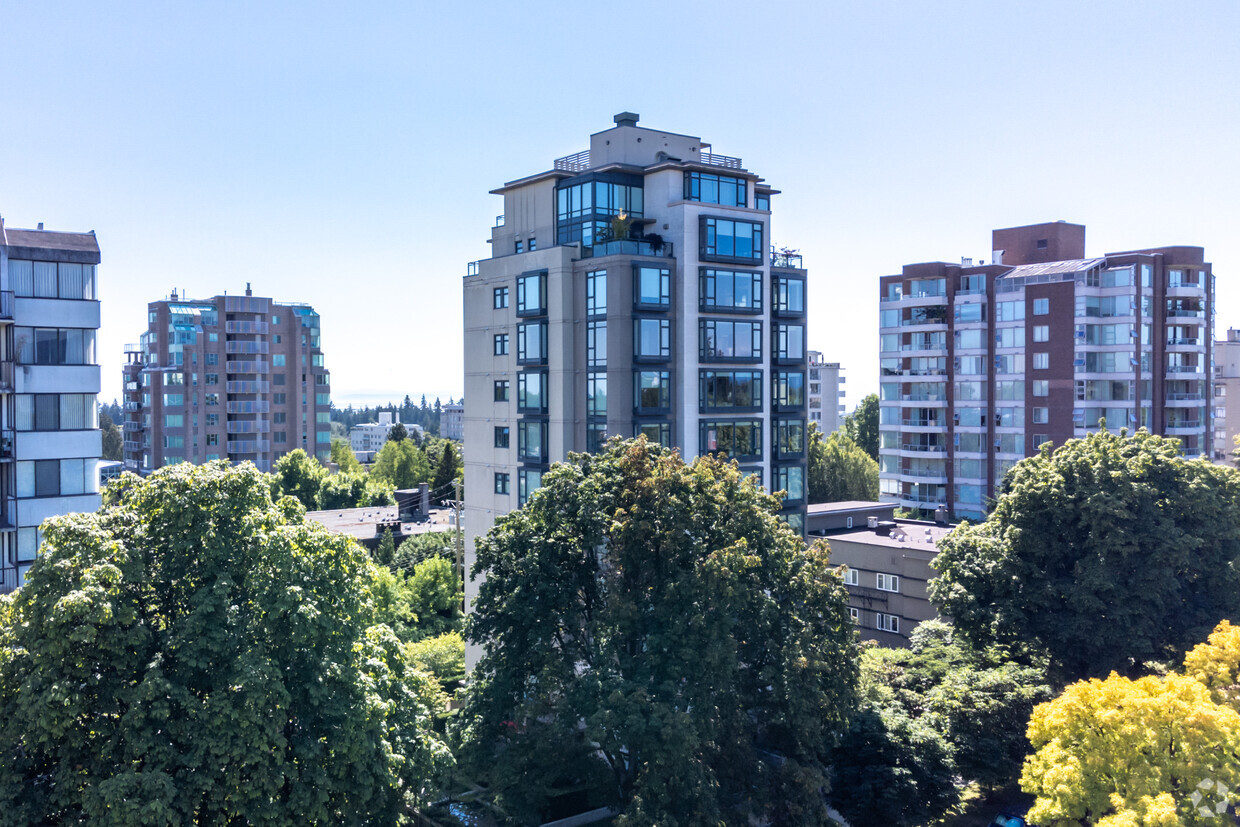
(658, 617)
(445, 473)
(838, 469)
(419, 547)
(343, 456)
(112, 441)
(862, 425)
(398, 432)
(299, 475)
(401, 464)
(1110, 552)
(199, 654)
(353, 489)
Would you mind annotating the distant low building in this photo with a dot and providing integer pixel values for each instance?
(888, 565)
(452, 421)
(826, 407)
(1226, 396)
(110, 469)
(367, 438)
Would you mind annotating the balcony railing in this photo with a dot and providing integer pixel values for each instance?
(1185, 423)
(6, 304)
(1182, 341)
(248, 426)
(133, 446)
(1185, 397)
(131, 427)
(1183, 368)
(924, 423)
(133, 406)
(248, 446)
(1180, 313)
(627, 247)
(577, 162)
(246, 347)
(787, 260)
(245, 327)
(923, 346)
(924, 397)
(247, 386)
(258, 366)
(254, 407)
(927, 449)
(725, 161)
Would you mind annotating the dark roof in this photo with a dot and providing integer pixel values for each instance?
(50, 240)
(844, 506)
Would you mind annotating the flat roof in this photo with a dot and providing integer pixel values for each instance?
(847, 505)
(50, 240)
(1050, 268)
(362, 523)
(918, 538)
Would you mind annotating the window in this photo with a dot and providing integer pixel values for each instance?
(886, 623)
(532, 392)
(279, 378)
(532, 294)
(596, 393)
(652, 339)
(501, 390)
(531, 343)
(54, 346)
(501, 483)
(723, 389)
(279, 399)
(789, 438)
(214, 419)
(596, 293)
(660, 433)
(789, 341)
(1041, 387)
(596, 436)
(532, 440)
(279, 437)
(501, 344)
(653, 391)
(529, 480)
(789, 388)
(596, 343)
(1041, 361)
(1041, 307)
(652, 287)
(852, 577)
(211, 359)
(278, 360)
(790, 478)
(1013, 311)
(728, 240)
(174, 420)
(213, 439)
(717, 189)
(1038, 439)
(1041, 333)
(728, 340)
(519, 246)
(1042, 243)
(1041, 416)
(789, 294)
(762, 201)
(213, 379)
(49, 280)
(533, 244)
(854, 614)
(501, 436)
(211, 399)
(887, 582)
(500, 296)
(733, 438)
(729, 290)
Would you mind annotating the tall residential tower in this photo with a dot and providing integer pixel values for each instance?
(49, 384)
(982, 363)
(630, 291)
(230, 377)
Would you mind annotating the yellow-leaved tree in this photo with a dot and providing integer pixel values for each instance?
(1152, 752)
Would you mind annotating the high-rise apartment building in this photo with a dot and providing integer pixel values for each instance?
(49, 384)
(826, 399)
(982, 363)
(230, 377)
(630, 291)
(1226, 397)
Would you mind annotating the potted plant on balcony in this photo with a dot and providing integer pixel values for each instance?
(655, 241)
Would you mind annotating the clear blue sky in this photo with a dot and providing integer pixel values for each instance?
(341, 154)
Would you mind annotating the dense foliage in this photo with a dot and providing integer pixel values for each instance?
(1160, 750)
(113, 443)
(1110, 552)
(197, 653)
(861, 425)
(839, 470)
(655, 625)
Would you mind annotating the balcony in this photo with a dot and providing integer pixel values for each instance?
(6, 376)
(923, 423)
(8, 445)
(925, 475)
(8, 513)
(133, 447)
(928, 347)
(256, 407)
(1184, 426)
(246, 347)
(244, 386)
(787, 259)
(1183, 342)
(1184, 369)
(6, 305)
(916, 500)
(248, 426)
(918, 448)
(132, 427)
(577, 162)
(933, 398)
(246, 327)
(257, 366)
(248, 446)
(1184, 313)
(628, 247)
(133, 406)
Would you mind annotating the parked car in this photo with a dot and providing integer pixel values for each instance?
(1006, 819)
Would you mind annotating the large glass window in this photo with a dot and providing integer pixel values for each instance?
(532, 343)
(789, 388)
(729, 389)
(652, 286)
(789, 341)
(652, 339)
(49, 280)
(789, 438)
(596, 393)
(532, 392)
(55, 411)
(652, 391)
(659, 433)
(789, 294)
(729, 290)
(740, 438)
(532, 294)
(596, 293)
(727, 239)
(596, 343)
(720, 339)
(54, 346)
(716, 189)
(529, 480)
(532, 440)
(790, 478)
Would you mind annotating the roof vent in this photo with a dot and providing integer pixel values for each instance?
(626, 119)
(40, 225)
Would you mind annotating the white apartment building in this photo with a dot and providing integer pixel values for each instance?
(630, 291)
(49, 384)
(825, 394)
(1226, 397)
(368, 437)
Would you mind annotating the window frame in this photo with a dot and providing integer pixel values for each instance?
(665, 340)
(499, 297)
(523, 308)
(664, 275)
(708, 290)
(663, 390)
(709, 227)
(755, 332)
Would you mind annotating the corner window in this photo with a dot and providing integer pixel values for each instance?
(762, 201)
(789, 388)
(529, 480)
(532, 343)
(736, 439)
(716, 189)
(532, 294)
(729, 290)
(789, 438)
(532, 440)
(790, 478)
(652, 339)
(653, 391)
(789, 341)
(727, 340)
(789, 294)
(724, 239)
(659, 433)
(652, 287)
(532, 392)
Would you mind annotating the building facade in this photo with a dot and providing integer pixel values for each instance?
(1226, 397)
(825, 393)
(230, 377)
(981, 364)
(452, 421)
(630, 291)
(50, 442)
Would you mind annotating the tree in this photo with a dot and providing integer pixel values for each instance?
(200, 654)
(419, 547)
(299, 475)
(1216, 664)
(398, 432)
(445, 473)
(112, 441)
(658, 617)
(1119, 752)
(862, 425)
(386, 552)
(1108, 553)
(442, 656)
(401, 464)
(353, 490)
(839, 470)
(343, 456)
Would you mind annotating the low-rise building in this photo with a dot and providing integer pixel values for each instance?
(826, 397)
(452, 421)
(367, 438)
(1226, 397)
(888, 565)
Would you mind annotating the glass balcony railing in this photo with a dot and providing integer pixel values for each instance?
(628, 247)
